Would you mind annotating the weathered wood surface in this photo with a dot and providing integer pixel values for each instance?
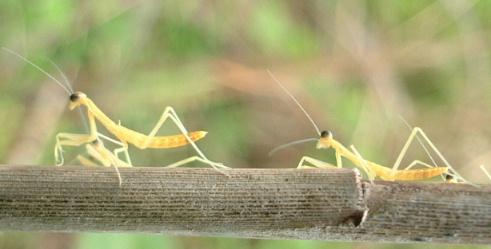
(311, 204)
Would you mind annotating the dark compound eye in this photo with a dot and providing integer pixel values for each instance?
(325, 134)
(74, 97)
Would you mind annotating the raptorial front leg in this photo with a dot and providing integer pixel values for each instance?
(86, 162)
(69, 139)
(123, 148)
(98, 152)
(95, 155)
(78, 139)
(364, 165)
(315, 162)
(339, 159)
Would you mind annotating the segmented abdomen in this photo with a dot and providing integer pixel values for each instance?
(139, 139)
(175, 140)
(411, 174)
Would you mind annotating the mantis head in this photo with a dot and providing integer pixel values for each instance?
(76, 99)
(325, 140)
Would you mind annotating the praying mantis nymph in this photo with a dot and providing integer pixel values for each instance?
(124, 135)
(326, 140)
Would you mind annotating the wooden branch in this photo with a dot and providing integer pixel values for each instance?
(310, 204)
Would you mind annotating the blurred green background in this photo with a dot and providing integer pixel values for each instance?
(354, 65)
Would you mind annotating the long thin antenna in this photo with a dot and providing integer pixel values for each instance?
(290, 144)
(39, 68)
(69, 87)
(296, 101)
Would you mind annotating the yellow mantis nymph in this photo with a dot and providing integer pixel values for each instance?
(372, 169)
(124, 135)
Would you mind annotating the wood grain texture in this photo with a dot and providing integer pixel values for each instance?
(313, 204)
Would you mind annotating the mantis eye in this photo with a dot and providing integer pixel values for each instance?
(76, 96)
(325, 134)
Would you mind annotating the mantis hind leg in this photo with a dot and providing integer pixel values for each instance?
(170, 113)
(192, 159)
(420, 135)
